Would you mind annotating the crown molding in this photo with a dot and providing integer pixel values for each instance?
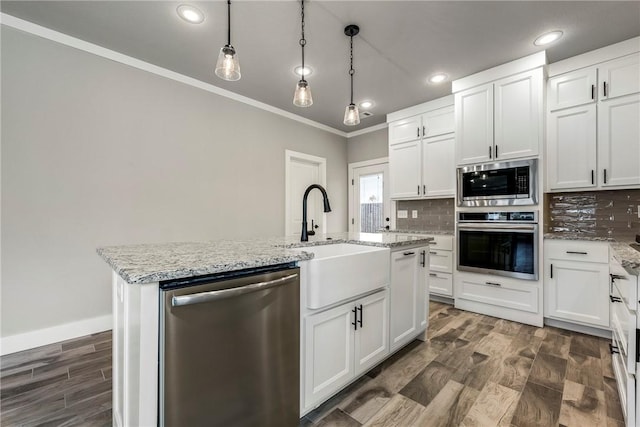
(64, 39)
(366, 130)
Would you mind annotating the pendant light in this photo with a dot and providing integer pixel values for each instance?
(228, 67)
(351, 113)
(302, 95)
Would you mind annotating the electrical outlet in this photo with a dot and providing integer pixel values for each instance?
(414, 214)
(403, 214)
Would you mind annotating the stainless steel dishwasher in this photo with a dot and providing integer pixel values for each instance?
(230, 350)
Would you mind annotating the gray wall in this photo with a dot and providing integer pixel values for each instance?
(369, 146)
(97, 153)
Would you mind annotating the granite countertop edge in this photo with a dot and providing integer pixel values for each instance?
(150, 263)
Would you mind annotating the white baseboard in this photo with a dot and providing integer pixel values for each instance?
(40, 337)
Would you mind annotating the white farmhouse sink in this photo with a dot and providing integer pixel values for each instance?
(340, 271)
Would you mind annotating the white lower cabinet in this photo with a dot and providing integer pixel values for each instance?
(342, 343)
(408, 314)
(577, 282)
(512, 299)
(440, 278)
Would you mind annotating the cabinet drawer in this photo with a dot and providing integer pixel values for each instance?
(440, 260)
(626, 390)
(623, 327)
(441, 242)
(577, 250)
(440, 283)
(498, 291)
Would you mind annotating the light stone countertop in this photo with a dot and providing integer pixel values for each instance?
(628, 257)
(148, 263)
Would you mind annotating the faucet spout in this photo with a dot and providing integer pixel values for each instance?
(327, 208)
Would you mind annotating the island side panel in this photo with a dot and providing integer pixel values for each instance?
(135, 353)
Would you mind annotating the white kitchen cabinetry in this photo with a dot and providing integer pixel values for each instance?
(576, 283)
(342, 343)
(504, 297)
(624, 308)
(440, 279)
(619, 140)
(421, 151)
(501, 120)
(405, 170)
(571, 148)
(408, 316)
(593, 129)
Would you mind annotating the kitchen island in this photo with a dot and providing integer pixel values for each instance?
(140, 270)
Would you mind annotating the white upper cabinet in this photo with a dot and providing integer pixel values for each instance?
(501, 120)
(518, 113)
(474, 124)
(421, 151)
(405, 170)
(572, 89)
(593, 131)
(438, 179)
(571, 147)
(438, 122)
(405, 130)
(620, 77)
(619, 141)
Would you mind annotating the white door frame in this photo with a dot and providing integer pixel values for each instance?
(290, 155)
(352, 207)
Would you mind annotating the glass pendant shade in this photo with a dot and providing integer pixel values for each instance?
(351, 115)
(228, 67)
(302, 96)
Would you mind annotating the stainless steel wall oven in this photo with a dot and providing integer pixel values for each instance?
(499, 243)
(499, 184)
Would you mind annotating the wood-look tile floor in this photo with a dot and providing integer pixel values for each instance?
(62, 384)
(475, 371)
(481, 371)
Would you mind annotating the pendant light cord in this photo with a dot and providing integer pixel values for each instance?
(228, 22)
(351, 70)
(303, 41)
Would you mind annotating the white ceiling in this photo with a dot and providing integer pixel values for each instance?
(400, 43)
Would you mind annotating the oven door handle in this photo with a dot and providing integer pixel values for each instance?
(497, 227)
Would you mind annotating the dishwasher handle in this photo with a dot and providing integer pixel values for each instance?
(201, 297)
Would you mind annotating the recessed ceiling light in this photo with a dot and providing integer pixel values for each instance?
(438, 78)
(547, 38)
(190, 14)
(307, 71)
(366, 104)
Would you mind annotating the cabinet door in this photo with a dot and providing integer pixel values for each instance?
(518, 115)
(572, 89)
(328, 352)
(577, 291)
(441, 284)
(438, 122)
(620, 77)
(619, 141)
(438, 166)
(404, 170)
(571, 148)
(404, 130)
(407, 298)
(474, 124)
(372, 336)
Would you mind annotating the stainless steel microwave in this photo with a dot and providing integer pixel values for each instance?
(499, 184)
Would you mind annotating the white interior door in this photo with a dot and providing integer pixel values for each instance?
(369, 205)
(302, 170)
